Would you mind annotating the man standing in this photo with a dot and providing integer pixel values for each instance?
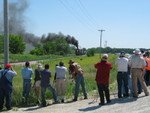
(122, 75)
(6, 77)
(61, 80)
(102, 78)
(37, 81)
(137, 64)
(45, 83)
(77, 73)
(26, 75)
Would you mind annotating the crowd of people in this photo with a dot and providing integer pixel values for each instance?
(42, 82)
(133, 77)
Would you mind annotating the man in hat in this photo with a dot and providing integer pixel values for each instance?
(77, 72)
(37, 81)
(102, 78)
(122, 75)
(6, 77)
(137, 64)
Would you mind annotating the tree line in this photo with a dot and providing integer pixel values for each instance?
(51, 44)
(91, 51)
(54, 44)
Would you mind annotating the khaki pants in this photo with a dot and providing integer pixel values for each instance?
(60, 87)
(137, 74)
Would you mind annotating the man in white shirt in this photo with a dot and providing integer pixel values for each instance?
(122, 76)
(61, 80)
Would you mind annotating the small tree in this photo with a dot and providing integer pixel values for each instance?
(90, 52)
(16, 44)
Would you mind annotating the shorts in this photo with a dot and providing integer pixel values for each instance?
(37, 83)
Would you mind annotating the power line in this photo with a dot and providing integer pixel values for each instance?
(86, 13)
(75, 13)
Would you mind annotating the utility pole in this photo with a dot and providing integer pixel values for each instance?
(105, 45)
(6, 33)
(100, 42)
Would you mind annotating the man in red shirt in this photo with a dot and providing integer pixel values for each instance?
(102, 78)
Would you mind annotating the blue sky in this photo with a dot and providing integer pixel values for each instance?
(126, 22)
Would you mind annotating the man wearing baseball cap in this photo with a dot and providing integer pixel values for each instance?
(6, 77)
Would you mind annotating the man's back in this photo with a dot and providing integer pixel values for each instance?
(103, 71)
(27, 72)
(45, 78)
(9, 75)
(61, 72)
(137, 62)
(122, 64)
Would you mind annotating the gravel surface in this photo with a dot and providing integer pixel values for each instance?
(124, 105)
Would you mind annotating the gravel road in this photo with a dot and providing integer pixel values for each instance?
(124, 105)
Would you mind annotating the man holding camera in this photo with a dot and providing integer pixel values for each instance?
(6, 77)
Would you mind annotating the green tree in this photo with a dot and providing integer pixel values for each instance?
(49, 48)
(61, 45)
(16, 44)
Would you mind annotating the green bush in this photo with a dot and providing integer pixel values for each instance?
(90, 52)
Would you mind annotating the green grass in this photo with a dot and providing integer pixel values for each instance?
(87, 63)
(26, 57)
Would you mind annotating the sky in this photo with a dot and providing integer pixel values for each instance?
(126, 22)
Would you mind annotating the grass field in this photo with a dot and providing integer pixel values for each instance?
(26, 57)
(87, 63)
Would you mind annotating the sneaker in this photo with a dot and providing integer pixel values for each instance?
(85, 98)
(37, 102)
(119, 96)
(101, 104)
(62, 101)
(56, 102)
(147, 94)
(9, 108)
(135, 96)
(74, 99)
(109, 101)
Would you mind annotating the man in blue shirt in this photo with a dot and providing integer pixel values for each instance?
(45, 83)
(6, 77)
(26, 75)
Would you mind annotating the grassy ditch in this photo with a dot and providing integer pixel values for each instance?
(87, 63)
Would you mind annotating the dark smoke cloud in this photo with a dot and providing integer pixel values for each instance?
(16, 17)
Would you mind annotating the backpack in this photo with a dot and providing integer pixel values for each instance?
(78, 68)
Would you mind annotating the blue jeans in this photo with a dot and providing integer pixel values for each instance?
(80, 80)
(122, 79)
(5, 93)
(43, 90)
(129, 85)
(26, 87)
